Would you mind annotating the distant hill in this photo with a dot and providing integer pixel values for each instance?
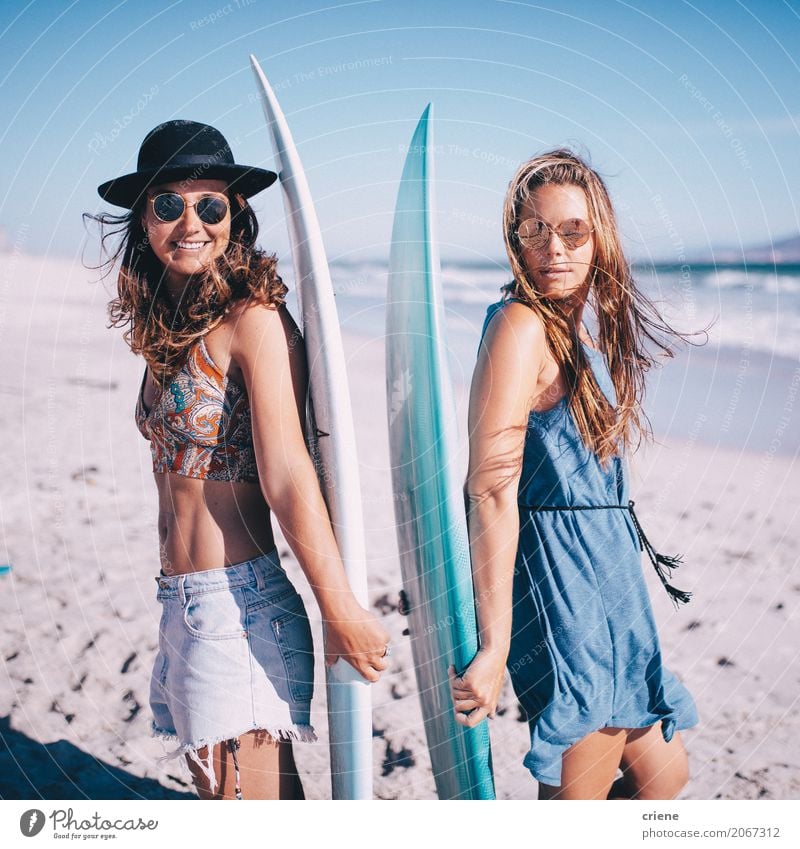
(784, 250)
(781, 251)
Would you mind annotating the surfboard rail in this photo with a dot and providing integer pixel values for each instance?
(331, 434)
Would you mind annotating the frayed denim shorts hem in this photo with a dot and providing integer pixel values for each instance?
(235, 655)
(301, 733)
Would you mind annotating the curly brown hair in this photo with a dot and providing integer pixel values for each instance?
(627, 321)
(163, 331)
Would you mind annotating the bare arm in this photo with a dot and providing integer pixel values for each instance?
(503, 386)
(268, 349)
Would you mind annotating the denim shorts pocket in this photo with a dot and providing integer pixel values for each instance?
(258, 599)
(215, 615)
(293, 637)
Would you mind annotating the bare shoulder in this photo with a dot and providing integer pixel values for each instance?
(254, 327)
(516, 329)
(248, 316)
(509, 363)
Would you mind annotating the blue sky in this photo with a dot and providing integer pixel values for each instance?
(691, 110)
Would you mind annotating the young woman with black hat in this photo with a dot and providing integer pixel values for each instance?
(222, 402)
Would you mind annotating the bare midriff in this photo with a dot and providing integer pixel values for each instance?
(207, 524)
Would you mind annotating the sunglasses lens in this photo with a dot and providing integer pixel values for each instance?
(168, 207)
(574, 233)
(533, 233)
(211, 210)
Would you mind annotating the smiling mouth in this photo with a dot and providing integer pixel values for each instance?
(189, 246)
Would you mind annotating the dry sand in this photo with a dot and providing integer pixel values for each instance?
(79, 615)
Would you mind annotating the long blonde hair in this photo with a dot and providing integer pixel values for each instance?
(627, 321)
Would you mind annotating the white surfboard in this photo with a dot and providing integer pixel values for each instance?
(332, 437)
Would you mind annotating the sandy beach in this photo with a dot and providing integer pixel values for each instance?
(79, 616)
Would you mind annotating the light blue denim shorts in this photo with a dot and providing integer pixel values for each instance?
(234, 655)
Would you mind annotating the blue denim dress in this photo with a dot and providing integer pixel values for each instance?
(584, 650)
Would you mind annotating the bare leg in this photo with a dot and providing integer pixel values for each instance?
(652, 768)
(266, 768)
(588, 768)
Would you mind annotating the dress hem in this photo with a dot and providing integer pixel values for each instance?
(534, 764)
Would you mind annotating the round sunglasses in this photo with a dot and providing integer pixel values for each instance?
(170, 206)
(534, 233)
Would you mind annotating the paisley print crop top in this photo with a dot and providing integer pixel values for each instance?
(199, 426)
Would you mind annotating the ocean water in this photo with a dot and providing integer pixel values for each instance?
(737, 387)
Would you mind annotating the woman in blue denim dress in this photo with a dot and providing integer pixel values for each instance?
(556, 546)
(222, 403)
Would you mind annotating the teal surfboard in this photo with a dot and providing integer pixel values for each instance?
(428, 499)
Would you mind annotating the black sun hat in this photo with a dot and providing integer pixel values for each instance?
(184, 150)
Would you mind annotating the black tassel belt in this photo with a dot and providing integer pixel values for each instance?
(661, 563)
